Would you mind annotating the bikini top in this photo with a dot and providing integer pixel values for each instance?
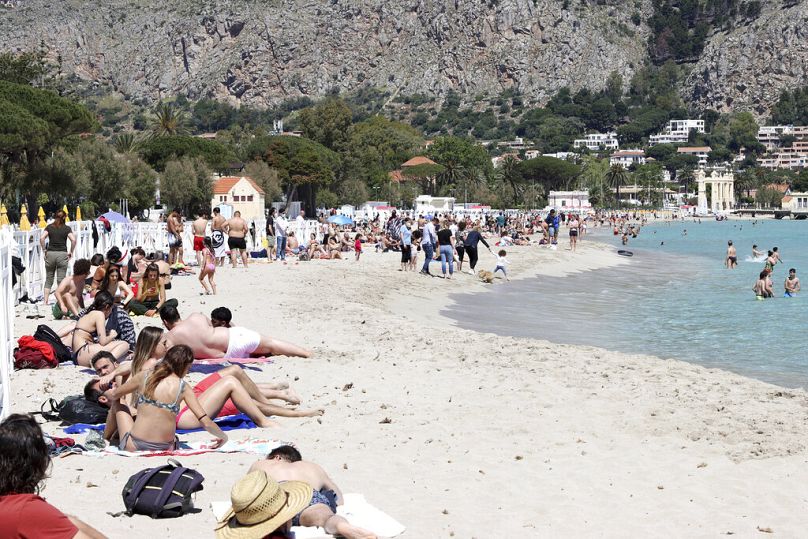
(173, 408)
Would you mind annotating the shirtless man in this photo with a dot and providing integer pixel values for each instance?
(236, 229)
(218, 237)
(731, 261)
(792, 284)
(70, 292)
(174, 229)
(200, 228)
(208, 342)
(286, 464)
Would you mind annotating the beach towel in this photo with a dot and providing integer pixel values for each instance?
(255, 446)
(228, 422)
(232, 360)
(356, 510)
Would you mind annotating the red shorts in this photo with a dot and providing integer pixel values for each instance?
(199, 243)
(228, 409)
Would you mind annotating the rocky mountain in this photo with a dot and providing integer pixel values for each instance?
(263, 51)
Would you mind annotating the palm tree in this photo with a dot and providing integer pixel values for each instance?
(616, 177)
(127, 142)
(168, 120)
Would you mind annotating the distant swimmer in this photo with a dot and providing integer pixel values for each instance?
(792, 284)
(731, 261)
(761, 288)
(684, 232)
(756, 253)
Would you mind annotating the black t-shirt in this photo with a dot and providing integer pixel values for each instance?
(57, 237)
(270, 226)
(444, 236)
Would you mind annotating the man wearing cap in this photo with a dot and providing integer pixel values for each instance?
(261, 505)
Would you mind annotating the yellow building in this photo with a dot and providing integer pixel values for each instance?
(239, 193)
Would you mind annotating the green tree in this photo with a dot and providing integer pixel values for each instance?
(267, 178)
(167, 120)
(22, 68)
(615, 177)
(327, 123)
(157, 151)
(460, 158)
(377, 146)
(593, 172)
(551, 173)
(186, 183)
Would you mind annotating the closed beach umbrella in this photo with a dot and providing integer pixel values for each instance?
(4, 215)
(25, 224)
(340, 220)
(41, 215)
(78, 213)
(67, 215)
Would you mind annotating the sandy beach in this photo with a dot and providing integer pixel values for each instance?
(463, 434)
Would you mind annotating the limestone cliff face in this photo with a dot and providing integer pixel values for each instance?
(260, 52)
(748, 67)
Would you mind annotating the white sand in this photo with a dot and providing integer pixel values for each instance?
(489, 436)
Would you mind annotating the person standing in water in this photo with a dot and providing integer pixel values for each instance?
(755, 253)
(731, 262)
(760, 286)
(792, 284)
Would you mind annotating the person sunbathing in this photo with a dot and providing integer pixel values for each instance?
(161, 389)
(208, 342)
(316, 249)
(89, 336)
(285, 463)
(70, 292)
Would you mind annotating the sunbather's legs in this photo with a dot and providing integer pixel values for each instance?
(321, 515)
(276, 347)
(261, 393)
(119, 349)
(214, 398)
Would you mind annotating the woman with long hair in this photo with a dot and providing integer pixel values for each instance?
(90, 336)
(151, 293)
(161, 389)
(56, 253)
(114, 284)
(24, 466)
(143, 358)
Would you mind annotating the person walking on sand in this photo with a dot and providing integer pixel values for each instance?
(357, 245)
(174, 230)
(199, 227)
(731, 261)
(218, 237)
(792, 284)
(502, 264)
(405, 234)
(271, 247)
(281, 225)
(429, 239)
(57, 255)
(446, 243)
(207, 267)
(236, 229)
(574, 226)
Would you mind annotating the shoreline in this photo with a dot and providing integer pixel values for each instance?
(553, 439)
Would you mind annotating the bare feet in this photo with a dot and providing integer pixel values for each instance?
(315, 413)
(291, 396)
(150, 312)
(266, 423)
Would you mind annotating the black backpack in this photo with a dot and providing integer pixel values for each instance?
(75, 409)
(162, 492)
(46, 334)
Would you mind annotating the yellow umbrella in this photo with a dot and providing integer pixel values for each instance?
(4, 216)
(25, 224)
(41, 224)
(78, 213)
(67, 216)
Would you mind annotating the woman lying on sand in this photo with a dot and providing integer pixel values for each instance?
(89, 336)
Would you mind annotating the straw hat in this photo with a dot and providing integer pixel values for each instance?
(261, 505)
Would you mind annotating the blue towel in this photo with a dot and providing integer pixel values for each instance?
(230, 422)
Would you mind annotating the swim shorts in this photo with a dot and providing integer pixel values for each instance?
(228, 409)
(237, 243)
(326, 497)
(242, 343)
(174, 241)
(199, 243)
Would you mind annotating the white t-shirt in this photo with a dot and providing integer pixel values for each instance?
(280, 225)
(502, 261)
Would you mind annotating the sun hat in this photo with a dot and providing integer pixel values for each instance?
(260, 505)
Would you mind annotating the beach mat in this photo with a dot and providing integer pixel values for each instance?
(228, 422)
(232, 360)
(355, 510)
(255, 446)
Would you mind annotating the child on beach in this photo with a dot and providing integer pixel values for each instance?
(416, 241)
(208, 268)
(502, 263)
(358, 245)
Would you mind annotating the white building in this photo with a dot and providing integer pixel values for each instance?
(516, 144)
(569, 200)
(597, 141)
(626, 158)
(426, 204)
(564, 156)
(701, 152)
(677, 132)
(794, 156)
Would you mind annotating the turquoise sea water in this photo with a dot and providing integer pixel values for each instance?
(674, 301)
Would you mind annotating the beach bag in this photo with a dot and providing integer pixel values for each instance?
(46, 334)
(33, 358)
(162, 492)
(74, 409)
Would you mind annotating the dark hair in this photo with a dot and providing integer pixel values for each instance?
(221, 314)
(97, 259)
(81, 267)
(137, 251)
(103, 299)
(208, 242)
(114, 255)
(177, 361)
(25, 455)
(103, 354)
(90, 392)
(792, 269)
(105, 281)
(217, 210)
(461, 226)
(272, 210)
(286, 452)
(502, 252)
(763, 274)
(169, 313)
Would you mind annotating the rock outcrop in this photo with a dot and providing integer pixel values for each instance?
(261, 52)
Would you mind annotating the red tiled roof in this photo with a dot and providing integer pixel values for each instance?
(223, 185)
(418, 160)
(781, 187)
(787, 198)
(396, 176)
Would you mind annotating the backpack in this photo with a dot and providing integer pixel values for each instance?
(32, 358)
(46, 334)
(74, 409)
(162, 492)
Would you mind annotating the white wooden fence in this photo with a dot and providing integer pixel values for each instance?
(6, 321)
